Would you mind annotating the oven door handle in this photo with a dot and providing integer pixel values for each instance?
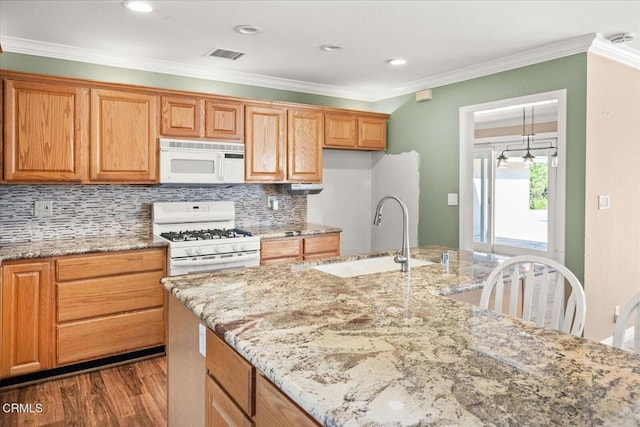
(196, 261)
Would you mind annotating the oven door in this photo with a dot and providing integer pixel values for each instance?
(191, 166)
(201, 264)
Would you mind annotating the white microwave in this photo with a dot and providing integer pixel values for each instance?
(201, 162)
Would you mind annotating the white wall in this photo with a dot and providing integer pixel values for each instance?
(354, 182)
(346, 199)
(612, 236)
(397, 175)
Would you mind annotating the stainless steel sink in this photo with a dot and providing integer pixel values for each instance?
(366, 266)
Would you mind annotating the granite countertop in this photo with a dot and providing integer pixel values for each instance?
(290, 230)
(79, 245)
(388, 349)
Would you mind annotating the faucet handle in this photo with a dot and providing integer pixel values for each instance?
(400, 259)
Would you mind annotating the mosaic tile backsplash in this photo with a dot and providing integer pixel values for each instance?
(111, 210)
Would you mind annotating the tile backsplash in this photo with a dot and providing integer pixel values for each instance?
(98, 210)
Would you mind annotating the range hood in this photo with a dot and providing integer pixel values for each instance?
(299, 189)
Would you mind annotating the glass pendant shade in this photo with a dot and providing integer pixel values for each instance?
(528, 160)
(502, 161)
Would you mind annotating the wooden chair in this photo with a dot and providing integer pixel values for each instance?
(633, 305)
(536, 274)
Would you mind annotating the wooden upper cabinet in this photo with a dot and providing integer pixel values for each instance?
(341, 130)
(182, 116)
(265, 143)
(223, 120)
(27, 308)
(304, 145)
(123, 136)
(372, 133)
(355, 132)
(46, 132)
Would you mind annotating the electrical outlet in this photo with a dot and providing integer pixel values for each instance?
(202, 339)
(43, 208)
(272, 202)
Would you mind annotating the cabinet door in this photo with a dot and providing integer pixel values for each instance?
(277, 251)
(372, 133)
(341, 130)
(182, 116)
(273, 408)
(220, 410)
(223, 120)
(324, 246)
(123, 136)
(46, 132)
(265, 144)
(27, 318)
(304, 145)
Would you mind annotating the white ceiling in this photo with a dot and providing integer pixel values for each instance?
(443, 41)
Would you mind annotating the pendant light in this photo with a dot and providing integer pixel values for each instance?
(528, 139)
(527, 158)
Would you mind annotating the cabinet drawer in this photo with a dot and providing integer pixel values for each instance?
(320, 244)
(273, 408)
(220, 410)
(109, 295)
(106, 264)
(231, 371)
(106, 336)
(280, 248)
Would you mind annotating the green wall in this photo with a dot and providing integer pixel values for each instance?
(432, 129)
(103, 73)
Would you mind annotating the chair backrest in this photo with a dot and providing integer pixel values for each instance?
(538, 276)
(633, 305)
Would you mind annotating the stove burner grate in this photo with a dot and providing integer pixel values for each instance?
(210, 234)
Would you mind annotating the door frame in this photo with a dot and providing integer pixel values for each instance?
(466, 147)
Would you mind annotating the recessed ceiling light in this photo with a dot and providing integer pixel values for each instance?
(248, 30)
(138, 6)
(397, 61)
(330, 47)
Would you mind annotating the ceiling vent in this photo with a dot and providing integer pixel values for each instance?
(227, 54)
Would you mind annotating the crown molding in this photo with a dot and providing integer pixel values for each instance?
(58, 51)
(522, 59)
(593, 43)
(616, 52)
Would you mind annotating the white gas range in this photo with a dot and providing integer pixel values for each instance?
(202, 237)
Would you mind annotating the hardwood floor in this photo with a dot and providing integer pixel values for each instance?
(127, 395)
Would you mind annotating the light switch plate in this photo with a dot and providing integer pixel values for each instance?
(604, 201)
(452, 199)
(202, 339)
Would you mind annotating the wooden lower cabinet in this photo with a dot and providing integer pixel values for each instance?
(274, 409)
(63, 310)
(109, 303)
(291, 249)
(237, 395)
(27, 343)
(220, 409)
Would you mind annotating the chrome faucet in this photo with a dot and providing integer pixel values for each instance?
(402, 257)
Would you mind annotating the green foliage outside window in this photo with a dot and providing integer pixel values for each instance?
(538, 186)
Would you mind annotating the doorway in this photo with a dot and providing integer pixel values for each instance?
(512, 176)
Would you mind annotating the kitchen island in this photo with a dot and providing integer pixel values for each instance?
(389, 349)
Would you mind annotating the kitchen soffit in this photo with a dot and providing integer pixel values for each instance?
(443, 41)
